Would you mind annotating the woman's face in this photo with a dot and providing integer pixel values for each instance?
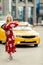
(9, 19)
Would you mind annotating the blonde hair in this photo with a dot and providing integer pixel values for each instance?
(10, 17)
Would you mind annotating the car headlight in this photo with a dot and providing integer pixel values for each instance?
(37, 34)
(37, 41)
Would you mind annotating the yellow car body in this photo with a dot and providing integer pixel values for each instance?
(22, 37)
(2, 35)
(25, 37)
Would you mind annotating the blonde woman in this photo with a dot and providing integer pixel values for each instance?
(9, 46)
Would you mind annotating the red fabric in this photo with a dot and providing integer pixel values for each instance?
(12, 24)
(9, 46)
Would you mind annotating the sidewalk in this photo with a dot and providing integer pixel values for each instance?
(39, 24)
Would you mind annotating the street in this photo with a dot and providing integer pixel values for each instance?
(25, 55)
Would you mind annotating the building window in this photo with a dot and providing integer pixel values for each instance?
(37, 7)
(41, 9)
(14, 1)
(41, 5)
(29, 0)
(13, 12)
(21, 0)
(30, 15)
(42, 18)
(21, 13)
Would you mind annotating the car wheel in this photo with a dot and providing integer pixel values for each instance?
(3, 43)
(35, 45)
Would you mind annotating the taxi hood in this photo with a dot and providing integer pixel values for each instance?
(25, 33)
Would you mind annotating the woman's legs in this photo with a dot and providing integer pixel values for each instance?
(10, 56)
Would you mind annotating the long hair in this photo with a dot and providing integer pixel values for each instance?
(10, 17)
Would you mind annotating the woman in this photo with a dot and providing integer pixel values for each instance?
(9, 46)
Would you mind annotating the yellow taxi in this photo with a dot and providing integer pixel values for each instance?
(23, 35)
(2, 35)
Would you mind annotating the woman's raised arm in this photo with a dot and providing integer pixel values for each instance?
(12, 24)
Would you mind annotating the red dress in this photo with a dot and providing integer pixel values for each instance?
(9, 46)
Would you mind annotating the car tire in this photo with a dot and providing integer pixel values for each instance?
(35, 45)
(0, 42)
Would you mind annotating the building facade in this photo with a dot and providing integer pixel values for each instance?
(4, 8)
(41, 10)
(24, 10)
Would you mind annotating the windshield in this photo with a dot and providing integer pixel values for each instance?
(23, 28)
